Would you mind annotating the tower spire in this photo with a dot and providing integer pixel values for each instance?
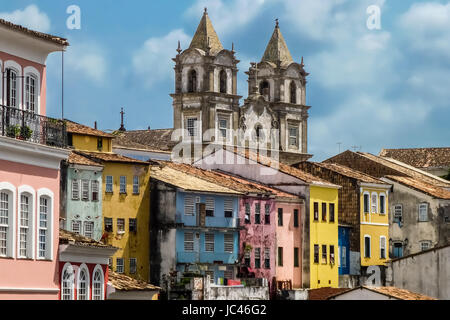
(206, 36)
(277, 49)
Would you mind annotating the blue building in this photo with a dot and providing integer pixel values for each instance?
(344, 250)
(194, 225)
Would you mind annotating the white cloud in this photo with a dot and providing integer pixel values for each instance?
(30, 17)
(153, 61)
(88, 60)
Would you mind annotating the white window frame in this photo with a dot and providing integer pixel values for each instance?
(428, 243)
(10, 64)
(85, 190)
(33, 72)
(134, 269)
(120, 267)
(109, 184)
(210, 243)
(98, 270)
(80, 227)
(384, 203)
(370, 246)
(123, 184)
(194, 127)
(187, 242)
(71, 281)
(119, 231)
(30, 234)
(383, 246)
(293, 127)
(189, 205)
(374, 206)
(228, 242)
(398, 206)
(135, 184)
(420, 217)
(47, 194)
(368, 202)
(95, 188)
(86, 231)
(84, 268)
(10, 190)
(210, 205)
(75, 189)
(30, 93)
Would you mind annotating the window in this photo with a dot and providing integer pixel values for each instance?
(366, 203)
(228, 242)
(189, 205)
(132, 225)
(423, 212)
(374, 203)
(210, 273)
(264, 90)
(11, 88)
(75, 190)
(332, 212)
(280, 256)
(135, 184)
(99, 144)
(89, 229)
(247, 258)
(94, 187)
(120, 225)
(228, 274)
(296, 262)
(83, 284)
(267, 258)
(293, 136)
(188, 241)
(228, 208)
(332, 254)
(382, 204)
(76, 226)
(67, 283)
(133, 265)
(97, 283)
(366, 246)
(109, 184)
(425, 245)
(316, 211)
(191, 127)
(192, 81)
(267, 214)
(223, 81)
(257, 213)
(247, 213)
(123, 184)
(30, 93)
(382, 247)
(324, 253)
(223, 128)
(293, 92)
(5, 222)
(344, 257)
(280, 216)
(209, 242)
(398, 250)
(296, 218)
(316, 253)
(85, 190)
(257, 258)
(44, 227)
(119, 265)
(25, 227)
(108, 224)
(209, 207)
(324, 212)
(398, 213)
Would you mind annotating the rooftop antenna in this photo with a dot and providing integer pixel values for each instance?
(339, 143)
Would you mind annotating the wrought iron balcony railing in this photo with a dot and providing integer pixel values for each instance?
(29, 126)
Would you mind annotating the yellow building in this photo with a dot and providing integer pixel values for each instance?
(324, 236)
(84, 138)
(374, 225)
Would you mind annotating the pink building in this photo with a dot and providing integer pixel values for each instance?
(29, 167)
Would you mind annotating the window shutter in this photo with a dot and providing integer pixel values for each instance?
(229, 242)
(189, 205)
(75, 190)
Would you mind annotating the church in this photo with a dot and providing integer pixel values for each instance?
(206, 107)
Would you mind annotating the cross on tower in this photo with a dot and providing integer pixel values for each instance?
(122, 128)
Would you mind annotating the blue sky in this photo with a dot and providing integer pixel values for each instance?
(386, 88)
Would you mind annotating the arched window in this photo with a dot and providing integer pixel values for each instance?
(83, 283)
(264, 89)
(192, 81)
(293, 91)
(11, 88)
(26, 225)
(67, 285)
(98, 284)
(31, 93)
(223, 81)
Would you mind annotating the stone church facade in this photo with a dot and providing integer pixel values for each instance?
(273, 118)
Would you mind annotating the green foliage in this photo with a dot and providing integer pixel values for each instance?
(13, 131)
(25, 132)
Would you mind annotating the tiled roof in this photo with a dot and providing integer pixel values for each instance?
(40, 35)
(422, 186)
(277, 49)
(206, 36)
(324, 293)
(125, 283)
(348, 172)
(398, 293)
(67, 237)
(75, 158)
(420, 157)
(187, 180)
(151, 140)
(109, 157)
(73, 127)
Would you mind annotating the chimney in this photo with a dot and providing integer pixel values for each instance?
(95, 125)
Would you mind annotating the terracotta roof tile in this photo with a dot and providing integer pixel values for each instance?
(125, 283)
(420, 157)
(150, 140)
(67, 237)
(40, 35)
(73, 127)
(110, 157)
(324, 293)
(422, 186)
(398, 293)
(75, 158)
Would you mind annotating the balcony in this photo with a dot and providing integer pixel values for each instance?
(28, 126)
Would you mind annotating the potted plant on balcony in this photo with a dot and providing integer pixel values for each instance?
(13, 131)
(25, 133)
